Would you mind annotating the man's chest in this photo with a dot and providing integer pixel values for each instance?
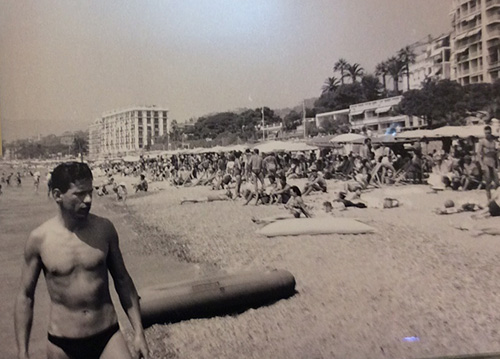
(63, 256)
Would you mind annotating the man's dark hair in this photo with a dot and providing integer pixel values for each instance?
(67, 173)
(256, 151)
(487, 128)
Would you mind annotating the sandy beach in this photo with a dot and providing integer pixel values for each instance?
(359, 296)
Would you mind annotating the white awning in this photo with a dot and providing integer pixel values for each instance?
(357, 112)
(474, 32)
(463, 49)
(472, 17)
(383, 109)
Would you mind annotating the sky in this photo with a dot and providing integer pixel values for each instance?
(63, 63)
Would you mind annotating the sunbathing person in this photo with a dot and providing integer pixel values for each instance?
(283, 192)
(227, 196)
(347, 203)
(142, 185)
(316, 182)
(296, 204)
(471, 175)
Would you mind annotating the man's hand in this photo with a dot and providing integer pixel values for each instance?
(141, 347)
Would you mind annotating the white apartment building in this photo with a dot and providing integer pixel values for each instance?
(475, 41)
(432, 62)
(334, 116)
(379, 116)
(126, 131)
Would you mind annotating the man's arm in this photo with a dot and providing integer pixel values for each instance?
(127, 292)
(23, 312)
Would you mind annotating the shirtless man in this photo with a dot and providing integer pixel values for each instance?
(488, 156)
(76, 250)
(257, 172)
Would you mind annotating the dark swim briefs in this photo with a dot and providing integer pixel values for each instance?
(90, 347)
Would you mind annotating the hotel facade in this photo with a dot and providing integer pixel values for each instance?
(380, 116)
(127, 131)
(432, 62)
(475, 41)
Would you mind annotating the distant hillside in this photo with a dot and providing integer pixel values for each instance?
(285, 111)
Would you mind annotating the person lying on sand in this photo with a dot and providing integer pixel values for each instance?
(341, 197)
(227, 196)
(449, 208)
(493, 210)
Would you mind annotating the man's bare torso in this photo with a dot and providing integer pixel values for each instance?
(76, 272)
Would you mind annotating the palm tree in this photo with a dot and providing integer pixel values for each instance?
(381, 70)
(330, 85)
(341, 66)
(407, 57)
(395, 68)
(355, 71)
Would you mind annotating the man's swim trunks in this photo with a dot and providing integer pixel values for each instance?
(90, 347)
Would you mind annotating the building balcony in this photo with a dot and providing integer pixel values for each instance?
(493, 34)
(493, 18)
(464, 29)
(490, 4)
(465, 15)
(494, 66)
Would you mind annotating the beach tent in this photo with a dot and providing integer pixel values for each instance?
(415, 134)
(459, 131)
(131, 159)
(271, 146)
(299, 146)
(347, 138)
(240, 148)
(445, 131)
(321, 141)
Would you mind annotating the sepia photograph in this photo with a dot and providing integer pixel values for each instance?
(228, 179)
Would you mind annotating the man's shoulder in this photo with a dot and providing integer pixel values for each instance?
(101, 222)
(40, 233)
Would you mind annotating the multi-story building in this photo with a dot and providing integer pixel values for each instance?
(95, 134)
(126, 131)
(333, 116)
(379, 116)
(475, 41)
(432, 61)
